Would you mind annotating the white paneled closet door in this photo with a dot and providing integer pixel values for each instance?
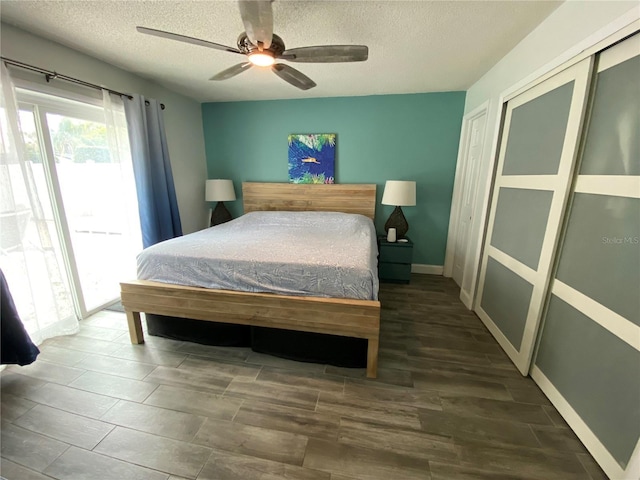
(535, 167)
(588, 358)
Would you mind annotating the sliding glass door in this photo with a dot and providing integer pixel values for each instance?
(31, 256)
(92, 194)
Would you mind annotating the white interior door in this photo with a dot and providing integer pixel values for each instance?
(535, 166)
(473, 149)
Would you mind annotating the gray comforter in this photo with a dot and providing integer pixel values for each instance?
(322, 254)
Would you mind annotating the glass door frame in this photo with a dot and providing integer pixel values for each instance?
(41, 104)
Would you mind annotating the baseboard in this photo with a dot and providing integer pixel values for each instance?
(584, 433)
(466, 299)
(427, 269)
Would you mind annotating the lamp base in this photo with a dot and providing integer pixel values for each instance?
(220, 215)
(396, 220)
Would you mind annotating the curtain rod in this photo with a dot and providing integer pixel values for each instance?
(50, 75)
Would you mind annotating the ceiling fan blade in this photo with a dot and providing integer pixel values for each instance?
(185, 39)
(293, 76)
(232, 71)
(257, 17)
(327, 54)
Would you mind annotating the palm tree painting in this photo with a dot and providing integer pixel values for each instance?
(312, 158)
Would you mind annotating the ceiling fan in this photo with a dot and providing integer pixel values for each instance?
(262, 47)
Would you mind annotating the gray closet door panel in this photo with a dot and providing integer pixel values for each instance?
(596, 373)
(536, 160)
(537, 133)
(521, 222)
(600, 256)
(613, 143)
(506, 298)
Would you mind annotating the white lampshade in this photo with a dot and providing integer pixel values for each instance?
(219, 191)
(399, 193)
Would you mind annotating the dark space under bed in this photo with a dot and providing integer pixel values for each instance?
(300, 346)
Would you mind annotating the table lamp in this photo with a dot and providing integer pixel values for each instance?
(399, 193)
(220, 191)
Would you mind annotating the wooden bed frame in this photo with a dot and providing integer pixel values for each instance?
(335, 316)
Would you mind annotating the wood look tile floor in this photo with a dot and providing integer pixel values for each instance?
(447, 405)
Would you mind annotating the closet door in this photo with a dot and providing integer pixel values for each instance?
(534, 171)
(588, 359)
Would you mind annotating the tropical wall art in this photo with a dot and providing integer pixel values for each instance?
(312, 158)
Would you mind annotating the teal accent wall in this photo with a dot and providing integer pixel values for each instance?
(379, 138)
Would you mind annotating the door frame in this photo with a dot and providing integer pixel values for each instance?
(38, 99)
(466, 177)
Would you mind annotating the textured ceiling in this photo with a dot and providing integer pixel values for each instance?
(414, 46)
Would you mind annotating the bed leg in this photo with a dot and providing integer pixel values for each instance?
(135, 327)
(372, 358)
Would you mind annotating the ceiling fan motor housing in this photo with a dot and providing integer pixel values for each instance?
(246, 47)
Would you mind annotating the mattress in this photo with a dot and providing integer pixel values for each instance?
(321, 254)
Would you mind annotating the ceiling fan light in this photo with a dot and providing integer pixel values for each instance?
(262, 59)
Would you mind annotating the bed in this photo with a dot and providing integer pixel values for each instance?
(335, 309)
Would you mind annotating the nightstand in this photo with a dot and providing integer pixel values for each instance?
(394, 261)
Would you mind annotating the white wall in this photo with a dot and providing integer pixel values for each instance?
(183, 116)
(562, 35)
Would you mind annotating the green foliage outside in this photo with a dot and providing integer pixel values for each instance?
(91, 154)
(31, 148)
(81, 141)
(78, 140)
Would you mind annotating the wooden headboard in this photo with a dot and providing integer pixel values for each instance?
(347, 198)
